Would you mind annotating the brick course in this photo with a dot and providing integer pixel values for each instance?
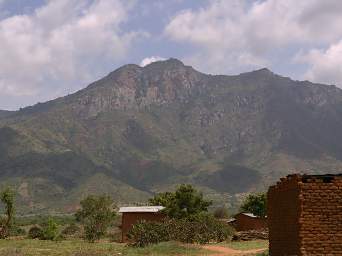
(305, 215)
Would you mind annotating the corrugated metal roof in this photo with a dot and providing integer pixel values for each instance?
(249, 214)
(142, 209)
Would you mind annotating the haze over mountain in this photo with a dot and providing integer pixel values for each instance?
(141, 130)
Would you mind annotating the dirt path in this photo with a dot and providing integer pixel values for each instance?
(225, 251)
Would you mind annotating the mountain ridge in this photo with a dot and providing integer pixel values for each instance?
(147, 129)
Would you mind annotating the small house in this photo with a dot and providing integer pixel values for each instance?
(247, 221)
(133, 215)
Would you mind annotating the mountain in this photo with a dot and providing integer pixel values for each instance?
(4, 113)
(142, 130)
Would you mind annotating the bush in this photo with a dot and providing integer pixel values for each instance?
(201, 229)
(146, 233)
(35, 232)
(50, 230)
(71, 230)
(17, 231)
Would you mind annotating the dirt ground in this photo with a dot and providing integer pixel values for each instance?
(224, 251)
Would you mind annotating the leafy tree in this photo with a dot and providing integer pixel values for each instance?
(7, 198)
(256, 204)
(184, 202)
(96, 215)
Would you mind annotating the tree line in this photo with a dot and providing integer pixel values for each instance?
(185, 209)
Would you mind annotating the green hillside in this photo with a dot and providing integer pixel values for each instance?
(143, 130)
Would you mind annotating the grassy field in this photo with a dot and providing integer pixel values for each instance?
(80, 248)
(246, 245)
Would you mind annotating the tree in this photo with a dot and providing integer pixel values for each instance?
(256, 204)
(6, 223)
(96, 215)
(184, 202)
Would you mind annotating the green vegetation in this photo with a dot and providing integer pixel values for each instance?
(40, 220)
(81, 248)
(247, 245)
(96, 215)
(6, 223)
(50, 230)
(256, 204)
(183, 203)
(188, 220)
(71, 229)
(35, 232)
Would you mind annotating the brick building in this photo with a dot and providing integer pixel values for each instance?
(247, 221)
(305, 215)
(132, 215)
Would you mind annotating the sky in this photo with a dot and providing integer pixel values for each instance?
(51, 48)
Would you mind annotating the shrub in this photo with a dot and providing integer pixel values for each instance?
(50, 230)
(71, 230)
(146, 233)
(201, 229)
(35, 232)
(17, 231)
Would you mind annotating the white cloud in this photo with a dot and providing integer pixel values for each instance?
(325, 66)
(236, 35)
(61, 45)
(149, 60)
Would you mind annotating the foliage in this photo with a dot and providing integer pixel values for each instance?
(221, 213)
(17, 231)
(77, 247)
(7, 198)
(40, 220)
(96, 215)
(184, 202)
(71, 229)
(50, 230)
(35, 232)
(146, 233)
(256, 204)
(201, 229)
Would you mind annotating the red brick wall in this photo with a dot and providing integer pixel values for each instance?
(321, 218)
(130, 218)
(283, 217)
(305, 216)
(244, 223)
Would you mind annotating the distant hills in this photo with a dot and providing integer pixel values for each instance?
(141, 130)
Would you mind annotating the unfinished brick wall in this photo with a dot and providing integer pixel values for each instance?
(305, 215)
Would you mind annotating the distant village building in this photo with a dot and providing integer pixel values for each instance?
(132, 215)
(305, 215)
(248, 221)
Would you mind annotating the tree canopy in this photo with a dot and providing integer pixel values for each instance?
(96, 215)
(184, 202)
(256, 204)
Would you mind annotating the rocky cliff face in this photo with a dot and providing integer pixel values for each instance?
(145, 129)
